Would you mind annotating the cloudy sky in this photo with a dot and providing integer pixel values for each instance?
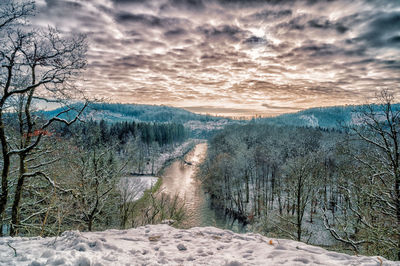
(235, 57)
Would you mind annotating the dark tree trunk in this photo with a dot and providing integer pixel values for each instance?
(299, 216)
(15, 216)
(90, 223)
(397, 201)
(5, 170)
(247, 187)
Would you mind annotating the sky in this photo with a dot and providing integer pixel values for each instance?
(234, 57)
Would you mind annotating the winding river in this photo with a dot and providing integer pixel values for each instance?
(180, 178)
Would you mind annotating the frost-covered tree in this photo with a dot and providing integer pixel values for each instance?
(95, 176)
(301, 179)
(370, 183)
(35, 64)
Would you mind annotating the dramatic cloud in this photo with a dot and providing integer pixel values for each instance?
(235, 57)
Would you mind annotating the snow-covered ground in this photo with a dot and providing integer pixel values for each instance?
(165, 245)
(132, 187)
(207, 126)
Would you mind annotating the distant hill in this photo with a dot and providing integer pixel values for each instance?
(115, 112)
(324, 117)
(200, 126)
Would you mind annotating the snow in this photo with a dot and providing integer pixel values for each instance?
(311, 120)
(207, 126)
(133, 187)
(171, 155)
(165, 245)
(173, 152)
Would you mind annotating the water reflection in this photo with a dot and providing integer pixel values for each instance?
(179, 178)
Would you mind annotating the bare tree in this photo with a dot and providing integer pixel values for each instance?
(12, 12)
(370, 214)
(381, 130)
(96, 174)
(160, 207)
(130, 189)
(34, 64)
(301, 181)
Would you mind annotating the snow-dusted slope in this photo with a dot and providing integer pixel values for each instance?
(165, 245)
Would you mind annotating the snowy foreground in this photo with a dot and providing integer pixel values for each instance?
(165, 245)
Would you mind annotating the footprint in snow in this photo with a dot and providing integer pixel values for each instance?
(181, 247)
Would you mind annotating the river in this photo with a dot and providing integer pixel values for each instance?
(180, 178)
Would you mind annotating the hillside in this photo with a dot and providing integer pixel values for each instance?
(199, 126)
(165, 245)
(115, 112)
(325, 117)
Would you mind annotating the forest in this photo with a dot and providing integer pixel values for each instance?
(60, 169)
(94, 133)
(72, 181)
(116, 112)
(332, 187)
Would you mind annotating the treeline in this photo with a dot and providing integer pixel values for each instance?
(96, 132)
(150, 113)
(337, 188)
(116, 112)
(324, 117)
(248, 170)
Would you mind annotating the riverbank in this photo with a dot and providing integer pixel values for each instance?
(143, 198)
(180, 178)
(169, 154)
(136, 185)
(178, 154)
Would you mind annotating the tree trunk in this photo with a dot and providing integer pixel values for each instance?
(397, 201)
(25, 141)
(247, 187)
(90, 223)
(273, 186)
(299, 214)
(6, 167)
(15, 217)
(298, 217)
